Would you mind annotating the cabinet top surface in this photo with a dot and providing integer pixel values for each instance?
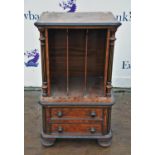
(78, 18)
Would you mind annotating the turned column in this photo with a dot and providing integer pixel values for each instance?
(43, 58)
(110, 61)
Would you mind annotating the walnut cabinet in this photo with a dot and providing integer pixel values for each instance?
(77, 58)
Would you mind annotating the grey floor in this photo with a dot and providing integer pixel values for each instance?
(120, 126)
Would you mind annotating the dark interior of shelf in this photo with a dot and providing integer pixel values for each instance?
(77, 58)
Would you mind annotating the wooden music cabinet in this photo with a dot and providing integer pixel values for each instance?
(77, 58)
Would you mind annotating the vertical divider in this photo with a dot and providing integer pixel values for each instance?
(67, 66)
(85, 64)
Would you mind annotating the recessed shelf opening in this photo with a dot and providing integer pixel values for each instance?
(77, 60)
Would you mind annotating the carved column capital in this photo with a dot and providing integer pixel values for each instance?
(41, 29)
(112, 37)
(42, 36)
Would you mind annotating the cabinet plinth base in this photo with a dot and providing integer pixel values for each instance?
(48, 140)
(105, 142)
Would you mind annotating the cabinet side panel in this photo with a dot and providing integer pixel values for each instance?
(109, 119)
(43, 119)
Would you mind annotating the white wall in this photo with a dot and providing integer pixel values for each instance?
(122, 57)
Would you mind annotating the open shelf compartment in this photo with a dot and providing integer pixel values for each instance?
(77, 60)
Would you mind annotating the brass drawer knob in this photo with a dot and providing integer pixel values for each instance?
(60, 129)
(92, 130)
(59, 114)
(93, 114)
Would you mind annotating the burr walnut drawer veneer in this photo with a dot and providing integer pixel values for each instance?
(76, 128)
(77, 58)
(76, 113)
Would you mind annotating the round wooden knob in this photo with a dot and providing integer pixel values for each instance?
(60, 129)
(93, 114)
(59, 114)
(92, 130)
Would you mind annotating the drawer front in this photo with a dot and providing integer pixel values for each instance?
(95, 113)
(77, 128)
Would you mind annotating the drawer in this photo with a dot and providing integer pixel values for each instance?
(95, 113)
(77, 128)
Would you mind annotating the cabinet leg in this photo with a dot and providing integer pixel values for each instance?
(47, 142)
(104, 142)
